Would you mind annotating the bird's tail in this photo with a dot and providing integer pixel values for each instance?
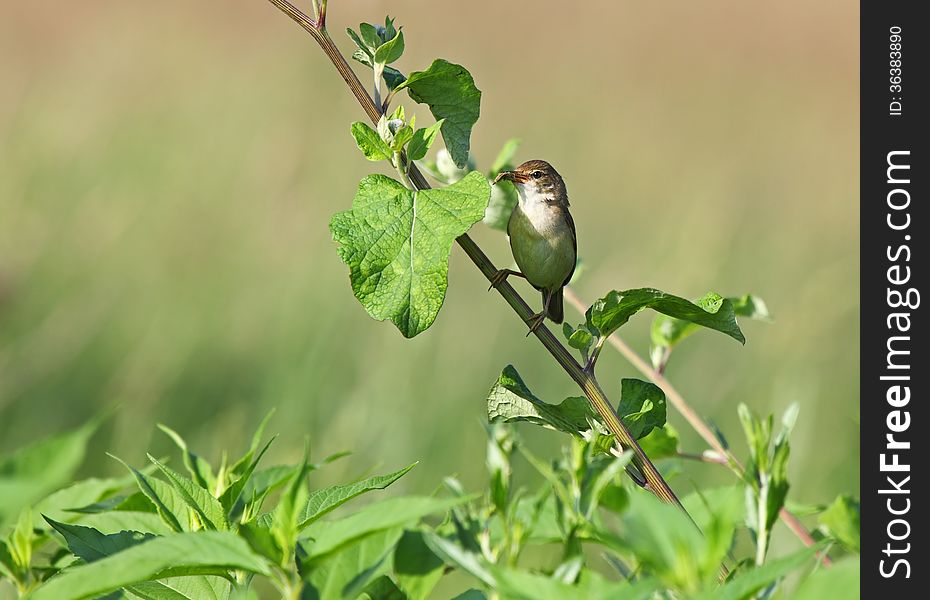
(556, 311)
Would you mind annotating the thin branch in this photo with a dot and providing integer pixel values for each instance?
(693, 419)
(585, 380)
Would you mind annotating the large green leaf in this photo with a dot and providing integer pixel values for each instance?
(615, 309)
(449, 91)
(91, 545)
(396, 243)
(179, 554)
(322, 501)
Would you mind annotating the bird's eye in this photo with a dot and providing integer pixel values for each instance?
(537, 174)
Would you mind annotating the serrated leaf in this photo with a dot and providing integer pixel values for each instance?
(208, 509)
(179, 554)
(842, 521)
(396, 243)
(325, 500)
(369, 142)
(194, 587)
(171, 507)
(642, 406)
(422, 140)
(91, 545)
(391, 50)
(449, 91)
(615, 309)
(511, 400)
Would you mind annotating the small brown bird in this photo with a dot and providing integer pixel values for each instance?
(542, 235)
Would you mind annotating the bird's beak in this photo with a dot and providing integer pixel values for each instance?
(512, 176)
(508, 175)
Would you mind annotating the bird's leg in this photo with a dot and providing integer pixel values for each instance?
(502, 275)
(539, 318)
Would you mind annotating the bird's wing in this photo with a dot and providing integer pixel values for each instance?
(571, 225)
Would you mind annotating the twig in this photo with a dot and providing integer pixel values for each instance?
(585, 380)
(693, 419)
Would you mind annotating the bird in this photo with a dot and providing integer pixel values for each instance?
(542, 236)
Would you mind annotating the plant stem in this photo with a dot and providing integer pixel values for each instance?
(585, 380)
(693, 419)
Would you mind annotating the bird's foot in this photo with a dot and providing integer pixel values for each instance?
(535, 321)
(501, 276)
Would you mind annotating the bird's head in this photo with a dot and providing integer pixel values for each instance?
(536, 178)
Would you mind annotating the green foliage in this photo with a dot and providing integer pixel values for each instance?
(766, 474)
(396, 243)
(163, 534)
(841, 522)
(615, 309)
(449, 91)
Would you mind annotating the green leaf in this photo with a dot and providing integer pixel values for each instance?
(662, 442)
(642, 406)
(396, 243)
(449, 91)
(667, 331)
(323, 501)
(743, 586)
(199, 468)
(171, 507)
(91, 545)
(842, 522)
(346, 573)
(182, 588)
(179, 554)
(511, 401)
(416, 567)
(230, 498)
(33, 471)
(422, 140)
(369, 142)
(330, 536)
(615, 309)
(391, 50)
(61, 504)
(208, 509)
(370, 36)
(838, 581)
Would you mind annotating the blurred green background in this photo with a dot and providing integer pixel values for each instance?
(168, 171)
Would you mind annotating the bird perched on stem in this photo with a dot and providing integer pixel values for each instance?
(542, 236)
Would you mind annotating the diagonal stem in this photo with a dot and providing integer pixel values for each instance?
(585, 380)
(691, 416)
